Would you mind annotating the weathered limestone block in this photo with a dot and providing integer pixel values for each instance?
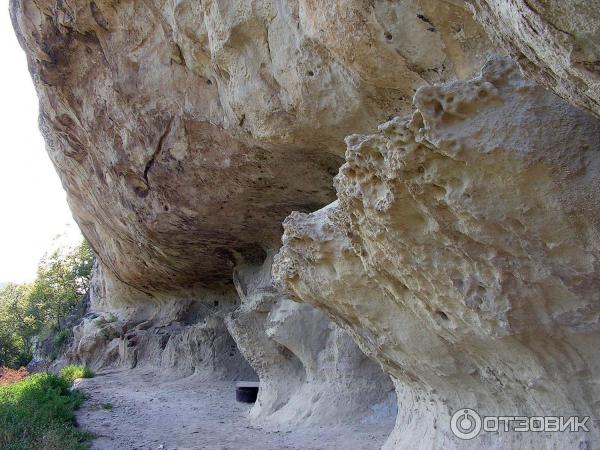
(184, 132)
(463, 255)
(556, 42)
(310, 370)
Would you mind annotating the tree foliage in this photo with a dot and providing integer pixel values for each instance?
(30, 309)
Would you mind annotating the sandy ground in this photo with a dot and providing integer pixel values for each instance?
(9, 376)
(129, 410)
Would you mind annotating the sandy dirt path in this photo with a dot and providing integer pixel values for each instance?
(129, 410)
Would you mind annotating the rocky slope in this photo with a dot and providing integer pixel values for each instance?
(458, 248)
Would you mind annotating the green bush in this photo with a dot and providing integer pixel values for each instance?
(38, 413)
(59, 338)
(72, 372)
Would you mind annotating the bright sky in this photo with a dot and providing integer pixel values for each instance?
(33, 206)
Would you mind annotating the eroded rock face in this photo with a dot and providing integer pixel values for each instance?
(463, 255)
(184, 132)
(556, 42)
(174, 337)
(311, 371)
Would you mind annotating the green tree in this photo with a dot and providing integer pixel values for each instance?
(63, 277)
(82, 260)
(28, 310)
(55, 287)
(18, 324)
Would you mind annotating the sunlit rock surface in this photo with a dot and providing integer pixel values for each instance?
(463, 255)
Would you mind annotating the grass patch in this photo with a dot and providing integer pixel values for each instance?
(107, 406)
(38, 413)
(72, 372)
